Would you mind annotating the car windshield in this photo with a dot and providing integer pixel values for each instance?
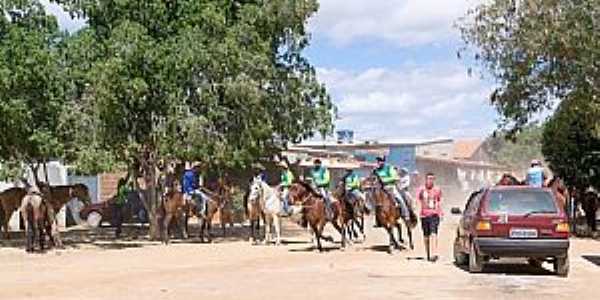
(521, 202)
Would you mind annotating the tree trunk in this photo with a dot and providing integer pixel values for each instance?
(151, 199)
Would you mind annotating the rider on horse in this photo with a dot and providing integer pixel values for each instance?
(287, 178)
(322, 179)
(352, 186)
(191, 188)
(535, 174)
(389, 177)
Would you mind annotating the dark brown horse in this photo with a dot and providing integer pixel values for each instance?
(173, 209)
(355, 212)
(213, 204)
(314, 211)
(508, 179)
(10, 201)
(387, 213)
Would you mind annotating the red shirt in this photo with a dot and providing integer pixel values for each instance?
(430, 200)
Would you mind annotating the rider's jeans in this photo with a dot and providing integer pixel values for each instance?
(200, 198)
(323, 191)
(285, 193)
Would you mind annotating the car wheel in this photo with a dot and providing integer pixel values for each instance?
(475, 260)
(94, 219)
(460, 258)
(536, 263)
(561, 266)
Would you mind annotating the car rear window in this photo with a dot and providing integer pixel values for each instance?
(521, 202)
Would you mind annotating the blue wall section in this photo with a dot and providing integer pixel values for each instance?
(403, 157)
(91, 182)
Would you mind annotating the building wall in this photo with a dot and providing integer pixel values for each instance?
(439, 150)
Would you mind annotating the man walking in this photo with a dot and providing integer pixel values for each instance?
(430, 198)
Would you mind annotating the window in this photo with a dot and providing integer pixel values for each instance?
(521, 202)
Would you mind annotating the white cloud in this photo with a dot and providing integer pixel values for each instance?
(401, 22)
(424, 101)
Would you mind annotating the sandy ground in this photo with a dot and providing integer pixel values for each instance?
(95, 267)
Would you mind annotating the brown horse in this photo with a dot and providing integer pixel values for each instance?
(253, 214)
(214, 203)
(387, 213)
(508, 179)
(173, 209)
(314, 211)
(355, 211)
(10, 201)
(560, 190)
(38, 216)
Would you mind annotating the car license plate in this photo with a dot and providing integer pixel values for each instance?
(521, 233)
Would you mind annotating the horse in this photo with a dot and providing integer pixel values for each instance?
(314, 211)
(214, 203)
(10, 201)
(508, 179)
(268, 201)
(388, 214)
(560, 190)
(36, 211)
(253, 214)
(173, 208)
(355, 208)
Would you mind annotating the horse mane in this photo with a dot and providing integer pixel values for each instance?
(309, 188)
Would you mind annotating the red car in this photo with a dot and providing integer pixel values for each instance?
(512, 221)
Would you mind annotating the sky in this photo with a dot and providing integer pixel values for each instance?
(392, 69)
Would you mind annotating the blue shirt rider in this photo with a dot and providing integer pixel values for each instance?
(322, 180)
(535, 174)
(191, 188)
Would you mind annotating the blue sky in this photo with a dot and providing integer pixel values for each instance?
(391, 68)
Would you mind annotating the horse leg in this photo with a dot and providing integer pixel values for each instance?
(318, 238)
(268, 224)
(166, 223)
(277, 225)
(41, 237)
(28, 216)
(399, 228)
(410, 237)
(208, 230)
(393, 243)
(361, 227)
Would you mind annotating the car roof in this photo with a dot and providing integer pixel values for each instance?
(517, 188)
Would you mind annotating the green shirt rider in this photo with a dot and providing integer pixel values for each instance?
(322, 180)
(286, 180)
(352, 185)
(389, 177)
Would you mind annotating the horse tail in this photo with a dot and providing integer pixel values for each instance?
(2, 215)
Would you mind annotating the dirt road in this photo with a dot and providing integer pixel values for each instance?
(233, 269)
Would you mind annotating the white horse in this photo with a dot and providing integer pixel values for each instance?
(269, 200)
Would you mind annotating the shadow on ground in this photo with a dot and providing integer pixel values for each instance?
(595, 259)
(511, 269)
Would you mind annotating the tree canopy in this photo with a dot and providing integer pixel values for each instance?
(539, 52)
(32, 87)
(518, 151)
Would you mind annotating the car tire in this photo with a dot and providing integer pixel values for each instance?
(94, 219)
(475, 260)
(536, 263)
(460, 258)
(561, 266)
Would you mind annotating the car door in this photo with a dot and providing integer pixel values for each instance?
(469, 217)
(463, 227)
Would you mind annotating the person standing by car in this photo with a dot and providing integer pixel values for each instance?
(535, 175)
(119, 204)
(430, 197)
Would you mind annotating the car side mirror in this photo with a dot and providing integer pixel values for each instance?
(455, 211)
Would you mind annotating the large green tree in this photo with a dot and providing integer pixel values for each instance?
(539, 52)
(570, 143)
(517, 151)
(32, 87)
(221, 81)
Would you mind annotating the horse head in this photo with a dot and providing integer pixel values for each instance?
(299, 192)
(256, 189)
(81, 192)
